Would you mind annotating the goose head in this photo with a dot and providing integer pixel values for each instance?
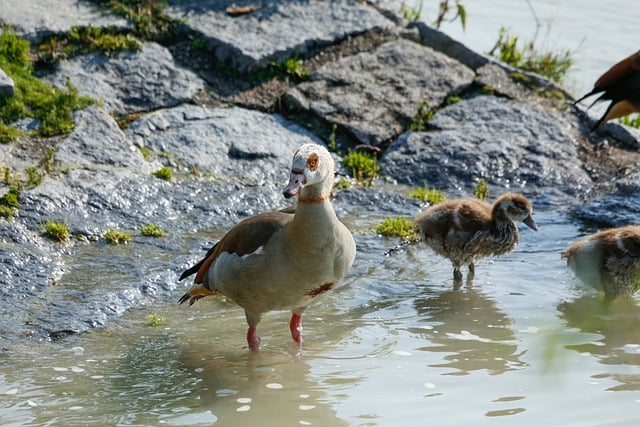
(312, 172)
(516, 208)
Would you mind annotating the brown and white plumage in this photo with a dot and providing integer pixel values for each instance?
(620, 85)
(608, 260)
(281, 260)
(464, 230)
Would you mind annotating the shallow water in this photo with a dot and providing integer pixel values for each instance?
(396, 345)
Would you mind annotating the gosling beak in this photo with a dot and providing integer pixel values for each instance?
(529, 222)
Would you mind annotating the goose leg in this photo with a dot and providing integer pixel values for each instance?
(253, 339)
(457, 274)
(295, 325)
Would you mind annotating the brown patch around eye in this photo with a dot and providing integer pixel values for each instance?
(312, 161)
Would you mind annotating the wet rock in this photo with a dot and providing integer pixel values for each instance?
(7, 87)
(36, 18)
(274, 31)
(620, 208)
(28, 267)
(375, 95)
(129, 82)
(514, 146)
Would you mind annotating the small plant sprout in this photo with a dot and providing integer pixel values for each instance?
(426, 194)
(411, 14)
(396, 227)
(482, 189)
(56, 230)
(155, 320)
(146, 153)
(422, 117)
(363, 166)
(152, 230)
(342, 184)
(444, 9)
(332, 145)
(116, 237)
(164, 173)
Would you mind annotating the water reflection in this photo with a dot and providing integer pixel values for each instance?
(266, 388)
(470, 329)
(617, 322)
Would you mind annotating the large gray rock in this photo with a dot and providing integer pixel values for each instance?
(375, 95)
(274, 31)
(7, 87)
(129, 82)
(512, 145)
(244, 145)
(36, 18)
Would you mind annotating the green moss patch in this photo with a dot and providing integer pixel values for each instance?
(33, 98)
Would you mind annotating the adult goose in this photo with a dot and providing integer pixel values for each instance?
(608, 260)
(282, 260)
(620, 85)
(464, 230)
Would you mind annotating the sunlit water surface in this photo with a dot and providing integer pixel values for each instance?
(396, 345)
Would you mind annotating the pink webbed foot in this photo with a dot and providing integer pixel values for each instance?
(253, 339)
(295, 325)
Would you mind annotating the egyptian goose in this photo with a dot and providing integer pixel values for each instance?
(464, 230)
(621, 85)
(284, 259)
(608, 260)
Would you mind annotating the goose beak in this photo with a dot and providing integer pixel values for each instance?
(529, 222)
(296, 180)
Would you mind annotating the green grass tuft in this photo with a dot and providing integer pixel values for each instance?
(7, 212)
(427, 194)
(56, 231)
(152, 230)
(396, 227)
(552, 65)
(363, 166)
(164, 173)
(481, 191)
(33, 98)
(115, 237)
(155, 320)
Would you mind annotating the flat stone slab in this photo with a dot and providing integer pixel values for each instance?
(129, 82)
(234, 143)
(275, 30)
(514, 146)
(36, 18)
(374, 95)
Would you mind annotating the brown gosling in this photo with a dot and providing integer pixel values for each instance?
(464, 230)
(608, 260)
